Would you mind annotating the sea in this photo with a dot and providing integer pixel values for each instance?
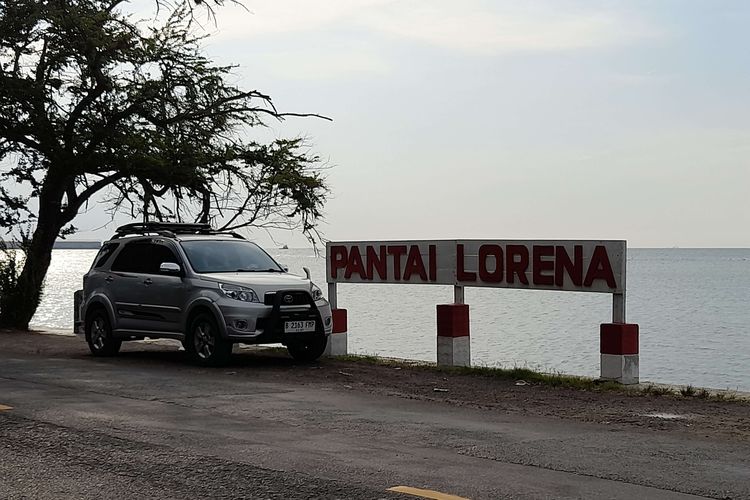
(692, 307)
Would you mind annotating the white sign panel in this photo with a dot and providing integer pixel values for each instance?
(582, 266)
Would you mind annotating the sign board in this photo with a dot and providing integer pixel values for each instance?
(572, 265)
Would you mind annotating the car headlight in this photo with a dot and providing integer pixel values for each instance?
(237, 292)
(316, 292)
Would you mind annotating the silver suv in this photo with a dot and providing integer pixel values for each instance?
(205, 288)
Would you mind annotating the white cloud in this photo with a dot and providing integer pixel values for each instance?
(330, 39)
(324, 65)
(475, 26)
(268, 17)
(509, 27)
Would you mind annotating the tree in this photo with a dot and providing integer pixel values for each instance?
(97, 106)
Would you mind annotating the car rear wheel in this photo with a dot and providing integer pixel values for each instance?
(99, 335)
(204, 343)
(309, 349)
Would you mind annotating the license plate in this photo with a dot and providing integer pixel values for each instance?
(299, 326)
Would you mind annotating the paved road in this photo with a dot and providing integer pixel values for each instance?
(145, 425)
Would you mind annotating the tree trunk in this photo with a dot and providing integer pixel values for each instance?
(18, 306)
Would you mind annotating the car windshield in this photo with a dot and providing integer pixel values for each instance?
(228, 256)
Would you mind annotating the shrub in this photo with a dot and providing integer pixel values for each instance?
(688, 391)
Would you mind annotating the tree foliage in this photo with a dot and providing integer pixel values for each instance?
(96, 105)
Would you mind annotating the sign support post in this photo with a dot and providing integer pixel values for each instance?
(618, 346)
(458, 294)
(453, 341)
(337, 341)
(332, 298)
(596, 266)
(618, 307)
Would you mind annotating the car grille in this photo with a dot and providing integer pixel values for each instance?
(290, 298)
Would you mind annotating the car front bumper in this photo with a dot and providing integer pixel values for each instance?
(263, 324)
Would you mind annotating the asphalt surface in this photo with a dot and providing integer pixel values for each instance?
(147, 425)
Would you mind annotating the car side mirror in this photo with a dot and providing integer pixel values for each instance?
(285, 268)
(169, 268)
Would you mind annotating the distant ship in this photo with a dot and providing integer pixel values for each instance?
(61, 244)
(284, 247)
(76, 244)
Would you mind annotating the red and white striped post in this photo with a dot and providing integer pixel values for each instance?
(618, 346)
(453, 340)
(337, 341)
(596, 266)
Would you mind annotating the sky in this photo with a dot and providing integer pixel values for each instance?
(502, 120)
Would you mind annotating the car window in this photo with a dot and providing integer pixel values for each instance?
(228, 256)
(104, 254)
(143, 257)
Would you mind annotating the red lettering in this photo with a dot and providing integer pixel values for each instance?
(433, 263)
(338, 259)
(462, 275)
(517, 267)
(355, 264)
(376, 262)
(397, 251)
(563, 264)
(414, 264)
(485, 251)
(600, 268)
(539, 266)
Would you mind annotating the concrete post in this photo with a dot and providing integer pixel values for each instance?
(337, 342)
(619, 352)
(453, 343)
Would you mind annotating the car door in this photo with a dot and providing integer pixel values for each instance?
(145, 299)
(125, 285)
(163, 297)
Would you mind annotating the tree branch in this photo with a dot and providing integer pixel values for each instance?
(101, 86)
(72, 209)
(42, 64)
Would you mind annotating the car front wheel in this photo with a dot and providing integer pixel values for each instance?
(309, 349)
(204, 343)
(99, 335)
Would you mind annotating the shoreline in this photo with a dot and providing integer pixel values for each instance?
(516, 374)
(681, 344)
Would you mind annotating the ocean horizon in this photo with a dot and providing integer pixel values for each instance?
(691, 305)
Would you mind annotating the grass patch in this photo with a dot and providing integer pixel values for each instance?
(533, 377)
(516, 373)
(688, 391)
(725, 396)
(654, 390)
(366, 358)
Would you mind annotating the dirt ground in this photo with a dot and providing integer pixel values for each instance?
(627, 409)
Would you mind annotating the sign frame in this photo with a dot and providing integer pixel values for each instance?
(597, 266)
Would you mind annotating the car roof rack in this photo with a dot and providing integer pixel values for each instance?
(170, 229)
